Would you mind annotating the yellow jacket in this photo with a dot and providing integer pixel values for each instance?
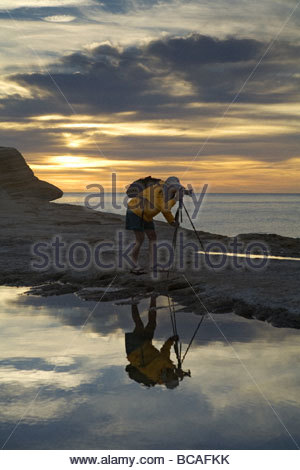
(151, 202)
(150, 361)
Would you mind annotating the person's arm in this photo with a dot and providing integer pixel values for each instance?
(166, 349)
(168, 216)
(164, 207)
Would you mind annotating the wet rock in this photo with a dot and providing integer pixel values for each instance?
(104, 294)
(50, 289)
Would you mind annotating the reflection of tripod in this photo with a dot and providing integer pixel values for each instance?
(178, 344)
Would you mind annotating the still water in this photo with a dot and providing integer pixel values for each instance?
(64, 371)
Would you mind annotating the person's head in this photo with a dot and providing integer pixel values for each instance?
(173, 186)
(173, 182)
(169, 378)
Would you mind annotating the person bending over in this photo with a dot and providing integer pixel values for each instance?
(154, 199)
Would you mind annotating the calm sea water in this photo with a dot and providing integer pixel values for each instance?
(227, 214)
(72, 391)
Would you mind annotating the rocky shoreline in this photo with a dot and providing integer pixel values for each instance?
(269, 294)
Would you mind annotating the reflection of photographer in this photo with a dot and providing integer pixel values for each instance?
(149, 365)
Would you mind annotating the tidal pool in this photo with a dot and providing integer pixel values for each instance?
(65, 381)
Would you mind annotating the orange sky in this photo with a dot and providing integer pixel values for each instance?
(206, 91)
(84, 161)
(222, 175)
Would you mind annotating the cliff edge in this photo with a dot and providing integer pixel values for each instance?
(17, 180)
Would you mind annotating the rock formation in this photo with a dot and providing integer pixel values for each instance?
(17, 180)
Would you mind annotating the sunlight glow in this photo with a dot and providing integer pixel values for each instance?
(222, 173)
(87, 163)
(70, 161)
(8, 88)
(137, 147)
(74, 143)
(59, 18)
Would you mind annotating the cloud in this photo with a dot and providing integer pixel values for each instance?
(38, 13)
(37, 10)
(124, 6)
(105, 81)
(158, 100)
(59, 18)
(146, 78)
(198, 49)
(9, 5)
(218, 68)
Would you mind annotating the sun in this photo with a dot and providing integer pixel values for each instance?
(69, 161)
(74, 144)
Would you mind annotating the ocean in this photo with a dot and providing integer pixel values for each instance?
(225, 214)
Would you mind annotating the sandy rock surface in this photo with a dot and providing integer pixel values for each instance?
(271, 293)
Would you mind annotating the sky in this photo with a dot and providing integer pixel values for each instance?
(207, 91)
(79, 373)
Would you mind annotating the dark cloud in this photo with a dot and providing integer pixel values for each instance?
(107, 80)
(218, 68)
(16, 107)
(110, 79)
(104, 89)
(197, 49)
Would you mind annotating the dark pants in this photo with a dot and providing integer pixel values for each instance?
(141, 333)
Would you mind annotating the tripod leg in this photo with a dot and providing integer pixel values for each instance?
(194, 228)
